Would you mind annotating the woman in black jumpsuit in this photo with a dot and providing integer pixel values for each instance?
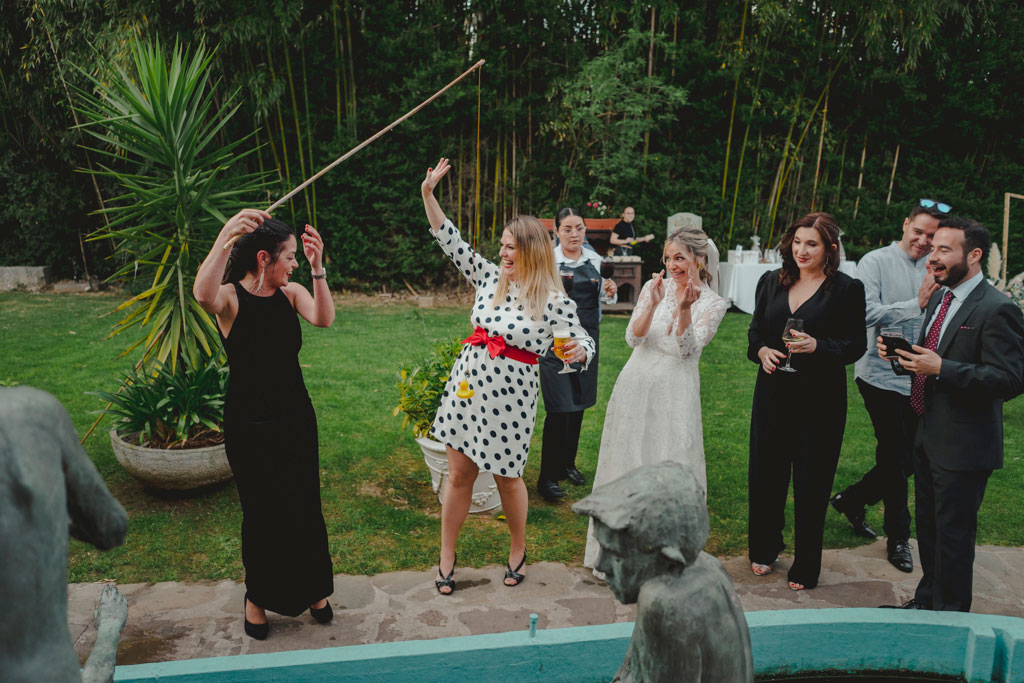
(798, 418)
(566, 396)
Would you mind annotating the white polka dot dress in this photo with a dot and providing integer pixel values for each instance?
(493, 426)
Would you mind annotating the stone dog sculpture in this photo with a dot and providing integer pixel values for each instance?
(652, 524)
(47, 480)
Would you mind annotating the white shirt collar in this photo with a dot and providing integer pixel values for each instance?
(964, 289)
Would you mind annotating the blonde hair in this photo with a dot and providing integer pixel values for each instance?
(694, 240)
(535, 267)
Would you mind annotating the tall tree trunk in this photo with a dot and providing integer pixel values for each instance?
(735, 92)
(746, 136)
(650, 74)
(351, 75)
(842, 170)
(860, 178)
(298, 129)
(821, 146)
(309, 130)
(892, 178)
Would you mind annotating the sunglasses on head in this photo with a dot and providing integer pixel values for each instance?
(929, 203)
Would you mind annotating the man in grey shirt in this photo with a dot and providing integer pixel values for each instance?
(896, 289)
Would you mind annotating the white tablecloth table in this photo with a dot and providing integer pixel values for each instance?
(738, 281)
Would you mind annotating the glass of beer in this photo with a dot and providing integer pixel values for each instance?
(562, 337)
(893, 338)
(792, 325)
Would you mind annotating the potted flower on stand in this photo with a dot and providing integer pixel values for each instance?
(160, 127)
(420, 387)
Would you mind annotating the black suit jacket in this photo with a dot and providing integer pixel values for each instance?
(982, 366)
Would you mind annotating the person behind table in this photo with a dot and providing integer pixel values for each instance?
(566, 396)
(798, 418)
(897, 287)
(968, 361)
(489, 404)
(270, 430)
(623, 235)
(654, 412)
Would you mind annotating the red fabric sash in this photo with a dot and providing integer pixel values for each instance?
(496, 346)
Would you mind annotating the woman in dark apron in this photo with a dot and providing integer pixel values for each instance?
(567, 395)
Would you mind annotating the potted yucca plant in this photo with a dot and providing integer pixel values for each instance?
(167, 431)
(160, 133)
(420, 387)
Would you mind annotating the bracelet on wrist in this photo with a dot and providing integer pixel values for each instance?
(321, 275)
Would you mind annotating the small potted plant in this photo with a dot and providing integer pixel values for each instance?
(168, 432)
(420, 387)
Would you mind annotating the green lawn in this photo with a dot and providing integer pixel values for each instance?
(380, 510)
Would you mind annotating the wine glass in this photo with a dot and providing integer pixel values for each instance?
(567, 277)
(607, 269)
(792, 325)
(562, 337)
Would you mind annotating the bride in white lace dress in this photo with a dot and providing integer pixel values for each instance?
(654, 411)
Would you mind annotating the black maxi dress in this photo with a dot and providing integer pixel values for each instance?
(798, 418)
(567, 396)
(271, 441)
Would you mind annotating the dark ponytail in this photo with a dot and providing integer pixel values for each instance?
(269, 237)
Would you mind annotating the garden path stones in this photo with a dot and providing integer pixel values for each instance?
(172, 621)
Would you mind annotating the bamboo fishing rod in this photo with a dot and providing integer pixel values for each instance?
(364, 143)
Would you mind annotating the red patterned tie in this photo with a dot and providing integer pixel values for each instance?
(931, 342)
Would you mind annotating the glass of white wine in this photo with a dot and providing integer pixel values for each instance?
(562, 337)
(792, 325)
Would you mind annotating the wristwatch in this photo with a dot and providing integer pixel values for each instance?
(320, 276)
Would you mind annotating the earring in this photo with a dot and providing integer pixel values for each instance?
(699, 265)
(259, 286)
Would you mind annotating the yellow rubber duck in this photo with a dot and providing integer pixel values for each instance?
(464, 391)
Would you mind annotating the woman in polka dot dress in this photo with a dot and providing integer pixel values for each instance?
(489, 405)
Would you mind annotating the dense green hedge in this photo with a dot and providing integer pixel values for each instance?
(568, 114)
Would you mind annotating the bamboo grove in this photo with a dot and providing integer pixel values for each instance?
(748, 113)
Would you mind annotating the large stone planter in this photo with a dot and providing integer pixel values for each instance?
(175, 470)
(485, 491)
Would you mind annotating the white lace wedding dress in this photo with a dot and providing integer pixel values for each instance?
(654, 411)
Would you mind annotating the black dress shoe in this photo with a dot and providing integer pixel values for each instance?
(854, 517)
(550, 491)
(324, 614)
(899, 557)
(257, 631)
(575, 476)
(909, 604)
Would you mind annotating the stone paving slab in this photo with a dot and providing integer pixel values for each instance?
(174, 621)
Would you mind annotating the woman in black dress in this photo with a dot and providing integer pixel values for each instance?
(798, 418)
(566, 396)
(269, 424)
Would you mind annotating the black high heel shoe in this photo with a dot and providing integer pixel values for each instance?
(324, 614)
(446, 581)
(514, 573)
(257, 631)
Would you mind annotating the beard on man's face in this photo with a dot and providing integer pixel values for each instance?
(953, 275)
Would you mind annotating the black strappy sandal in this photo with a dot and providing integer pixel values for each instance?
(514, 573)
(447, 581)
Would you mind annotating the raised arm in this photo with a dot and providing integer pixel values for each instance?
(435, 215)
(869, 272)
(318, 309)
(207, 288)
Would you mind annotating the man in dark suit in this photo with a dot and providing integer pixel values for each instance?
(970, 360)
